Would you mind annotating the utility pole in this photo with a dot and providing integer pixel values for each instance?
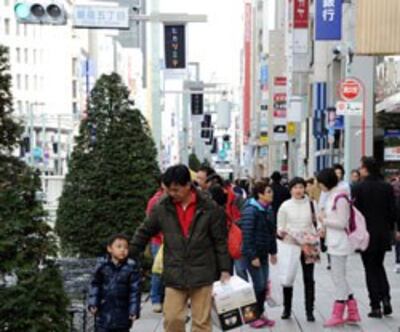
(59, 168)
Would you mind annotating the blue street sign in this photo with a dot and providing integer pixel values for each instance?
(328, 15)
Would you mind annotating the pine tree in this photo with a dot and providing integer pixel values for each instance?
(194, 162)
(112, 172)
(35, 300)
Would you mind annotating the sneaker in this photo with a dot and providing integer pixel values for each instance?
(157, 308)
(397, 268)
(258, 324)
(268, 322)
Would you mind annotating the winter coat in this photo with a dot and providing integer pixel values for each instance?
(375, 200)
(190, 262)
(114, 291)
(336, 223)
(281, 194)
(259, 231)
(295, 215)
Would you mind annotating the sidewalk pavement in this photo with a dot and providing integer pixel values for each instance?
(150, 322)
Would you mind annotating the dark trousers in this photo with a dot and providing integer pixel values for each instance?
(309, 284)
(377, 282)
(397, 248)
(102, 329)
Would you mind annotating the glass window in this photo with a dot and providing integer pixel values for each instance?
(75, 108)
(34, 57)
(74, 89)
(7, 26)
(26, 57)
(18, 81)
(27, 108)
(26, 82)
(74, 67)
(35, 82)
(25, 29)
(18, 54)
(19, 106)
(17, 28)
(6, 2)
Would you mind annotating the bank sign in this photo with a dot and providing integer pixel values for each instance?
(328, 14)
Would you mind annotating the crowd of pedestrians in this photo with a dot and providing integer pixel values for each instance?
(190, 222)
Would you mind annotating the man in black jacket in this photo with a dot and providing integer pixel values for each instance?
(195, 249)
(281, 193)
(375, 199)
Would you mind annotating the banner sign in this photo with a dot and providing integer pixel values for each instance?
(328, 16)
(301, 10)
(392, 145)
(175, 53)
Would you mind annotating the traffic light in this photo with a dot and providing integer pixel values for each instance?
(196, 103)
(40, 12)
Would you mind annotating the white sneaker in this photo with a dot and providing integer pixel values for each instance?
(157, 308)
(397, 268)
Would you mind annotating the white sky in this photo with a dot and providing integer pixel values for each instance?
(216, 44)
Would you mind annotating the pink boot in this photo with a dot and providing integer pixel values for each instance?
(353, 316)
(337, 315)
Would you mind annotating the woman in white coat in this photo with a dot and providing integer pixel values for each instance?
(294, 216)
(335, 221)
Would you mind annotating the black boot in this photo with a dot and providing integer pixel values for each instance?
(287, 302)
(387, 307)
(309, 293)
(375, 313)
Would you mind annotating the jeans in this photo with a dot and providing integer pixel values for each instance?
(259, 276)
(377, 282)
(157, 287)
(240, 268)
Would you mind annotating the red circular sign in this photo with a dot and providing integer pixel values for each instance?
(350, 89)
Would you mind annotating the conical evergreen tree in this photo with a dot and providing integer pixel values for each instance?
(112, 172)
(194, 162)
(34, 299)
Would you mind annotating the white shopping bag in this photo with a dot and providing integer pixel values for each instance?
(235, 304)
(288, 262)
(274, 290)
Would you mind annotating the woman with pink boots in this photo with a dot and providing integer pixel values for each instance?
(335, 220)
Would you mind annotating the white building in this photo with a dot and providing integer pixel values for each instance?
(45, 88)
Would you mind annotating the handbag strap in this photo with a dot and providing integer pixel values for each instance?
(313, 215)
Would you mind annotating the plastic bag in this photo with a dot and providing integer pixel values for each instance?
(274, 288)
(158, 261)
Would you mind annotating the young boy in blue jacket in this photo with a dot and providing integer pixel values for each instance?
(114, 296)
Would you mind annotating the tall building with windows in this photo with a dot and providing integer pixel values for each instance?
(44, 87)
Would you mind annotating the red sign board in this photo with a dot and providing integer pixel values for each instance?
(301, 14)
(280, 97)
(350, 89)
(280, 81)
